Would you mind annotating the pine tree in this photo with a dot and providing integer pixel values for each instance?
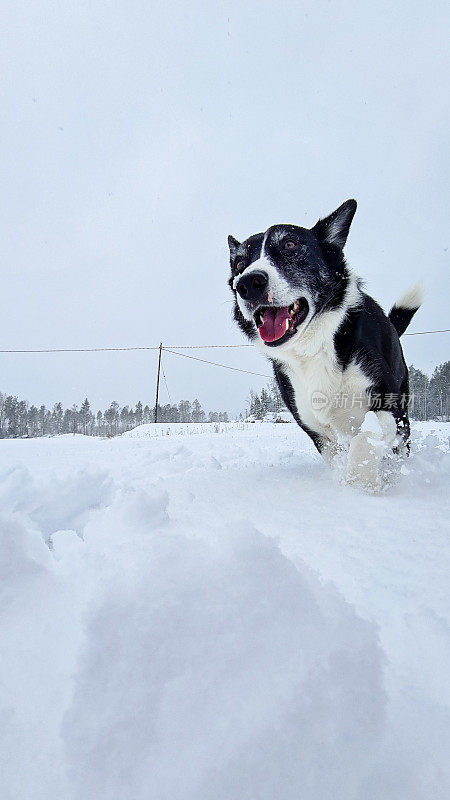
(57, 418)
(99, 420)
(85, 416)
(125, 419)
(257, 408)
(174, 414)
(32, 420)
(418, 390)
(277, 400)
(265, 401)
(138, 413)
(198, 415)
(439, 391)
(11, 404)
(112, 417)
(2, 416)
(184, 407)
(74, 415)
(67, 421)
(22, 417)
(252, 403)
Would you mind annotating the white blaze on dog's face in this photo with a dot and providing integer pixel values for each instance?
(284, 277)
(279, 291)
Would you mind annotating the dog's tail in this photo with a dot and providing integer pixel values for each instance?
(404, 309)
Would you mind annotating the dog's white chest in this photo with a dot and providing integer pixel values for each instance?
(329, 400)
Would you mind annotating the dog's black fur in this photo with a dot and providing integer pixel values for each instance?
(313, 264)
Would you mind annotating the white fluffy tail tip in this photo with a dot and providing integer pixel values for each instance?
(413, 297)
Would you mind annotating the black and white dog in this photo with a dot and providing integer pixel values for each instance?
(335, 354)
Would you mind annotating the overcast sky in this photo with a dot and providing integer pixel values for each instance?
(137, 135)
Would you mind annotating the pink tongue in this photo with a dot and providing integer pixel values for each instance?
(275, 323)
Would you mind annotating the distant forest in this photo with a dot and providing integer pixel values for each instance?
(430, 396)
(18, 419)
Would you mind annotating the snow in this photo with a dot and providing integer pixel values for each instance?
(215, 616)
(184, 429)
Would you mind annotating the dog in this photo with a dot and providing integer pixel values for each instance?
(336, 356)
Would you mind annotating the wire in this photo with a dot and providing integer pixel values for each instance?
(216, 364)
(204, 346)
(123, 349)
(167, 388)
(80, 350)
(422, 333)
(176, 347)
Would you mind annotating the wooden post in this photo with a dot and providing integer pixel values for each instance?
(426, 399)
(157, 382)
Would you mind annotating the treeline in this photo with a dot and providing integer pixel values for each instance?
(18, 419)
(429, 397)
(269, 401)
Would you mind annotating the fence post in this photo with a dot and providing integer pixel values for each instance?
(157, 381)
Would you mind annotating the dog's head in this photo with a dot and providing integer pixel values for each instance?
(284, 277)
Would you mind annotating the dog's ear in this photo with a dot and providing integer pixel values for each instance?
(334, 229)
(233, 244)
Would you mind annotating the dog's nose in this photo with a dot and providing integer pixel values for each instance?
(252, 286)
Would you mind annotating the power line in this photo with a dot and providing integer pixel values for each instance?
(156, 347)
(124, 349)
(165, 381)
(216, 364)
(205, 346)
(423, 333)
(81, 350)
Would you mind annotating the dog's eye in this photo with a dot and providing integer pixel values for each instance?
(289, 245)
(239, 266)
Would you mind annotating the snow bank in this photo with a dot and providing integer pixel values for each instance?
(170, 629)
(161, 656)
(222, 671)
(151, 430)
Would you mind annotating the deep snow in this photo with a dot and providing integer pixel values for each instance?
(215, 617)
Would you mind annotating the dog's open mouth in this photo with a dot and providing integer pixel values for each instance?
(276, 324)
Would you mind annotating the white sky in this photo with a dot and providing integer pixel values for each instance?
(137, 135)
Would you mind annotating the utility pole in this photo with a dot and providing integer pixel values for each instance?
(426, 399)
(157, 381)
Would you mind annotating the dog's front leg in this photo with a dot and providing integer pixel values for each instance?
(367, 449)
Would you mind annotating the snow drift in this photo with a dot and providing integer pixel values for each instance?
(171, 634)
(222, 671)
